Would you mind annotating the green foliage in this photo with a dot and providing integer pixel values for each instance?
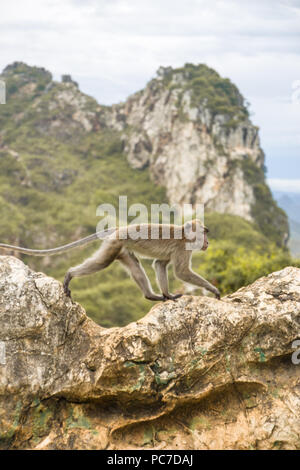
(271, 219)
(50, 189)
(49, 193)
(219, 94)
(231, 266)
(23, 85)
(235, 229)
(238, 254)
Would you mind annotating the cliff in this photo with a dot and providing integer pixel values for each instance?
(191, 143)
(186, 137)
(192, 374)
(189, 128)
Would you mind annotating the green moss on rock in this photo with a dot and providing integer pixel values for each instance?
(209, 89)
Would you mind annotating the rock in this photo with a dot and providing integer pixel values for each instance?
(26, 73)
(68, 79)
(200, 150)
(193, 374)
(201, 153)
(191, 152)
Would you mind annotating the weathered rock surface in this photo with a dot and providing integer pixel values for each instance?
(188, 149)
(201, 154)
(193, 374)
(200, 151)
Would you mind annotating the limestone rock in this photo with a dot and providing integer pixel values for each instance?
(192, 374)
(189, 127)
(195, 154)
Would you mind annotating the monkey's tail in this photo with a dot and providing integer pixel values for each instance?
(59, 249)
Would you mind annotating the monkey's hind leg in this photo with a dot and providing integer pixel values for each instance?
(137, 272)
(66, 283)
(103, 257)
(160, 267)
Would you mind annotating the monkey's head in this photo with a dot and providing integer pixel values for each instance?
(196, 233)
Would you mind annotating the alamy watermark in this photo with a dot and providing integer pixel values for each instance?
(163, 220)
(2, 353)
(296, 354)
(2, 92)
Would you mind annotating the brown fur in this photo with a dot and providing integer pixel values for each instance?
(166, 244)
(126, 242)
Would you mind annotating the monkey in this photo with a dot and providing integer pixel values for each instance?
(124, 244)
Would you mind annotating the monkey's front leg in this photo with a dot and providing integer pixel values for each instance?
(184, 273)
(130, 261)
(160, 267)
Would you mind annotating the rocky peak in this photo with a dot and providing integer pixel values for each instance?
(19, 75)
(191, 128)
(58, 109)
(25, 70)
(68, 79)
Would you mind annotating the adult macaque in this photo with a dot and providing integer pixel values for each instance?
(162, 242)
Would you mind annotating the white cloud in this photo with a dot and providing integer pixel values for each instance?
(285, 185)
(113, 47)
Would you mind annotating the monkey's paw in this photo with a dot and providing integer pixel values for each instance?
(154, 297)
(67, 291)
(218, 295)
(172, 296)
(66, 285)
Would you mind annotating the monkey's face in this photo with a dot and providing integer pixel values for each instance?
(196, 233)
(205, 238)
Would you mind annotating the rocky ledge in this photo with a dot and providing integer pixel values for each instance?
(192, 374)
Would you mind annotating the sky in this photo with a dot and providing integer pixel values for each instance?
(112, 48)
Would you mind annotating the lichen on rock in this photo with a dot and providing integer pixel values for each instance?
(193, 374)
